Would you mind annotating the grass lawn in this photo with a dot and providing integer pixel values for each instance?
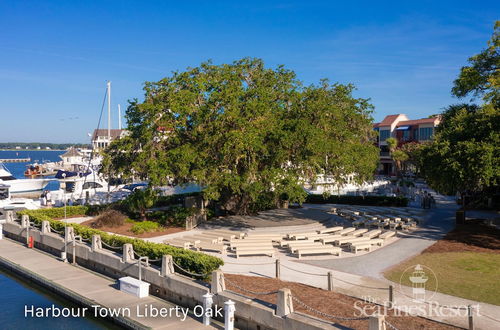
(471, 275)
(466, 263)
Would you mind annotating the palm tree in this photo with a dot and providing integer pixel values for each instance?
(392, 144)
(399, 156)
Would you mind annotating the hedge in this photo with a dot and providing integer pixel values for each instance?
(145, 227)
(192, 261)
(357, 200)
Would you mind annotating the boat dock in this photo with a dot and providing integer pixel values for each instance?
(89, 289)
(15, 160)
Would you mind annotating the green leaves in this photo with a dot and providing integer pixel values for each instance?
(482, 76)
(245, 132)
(465, 152)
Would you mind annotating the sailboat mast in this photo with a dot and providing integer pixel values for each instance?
(119, 117)
(109, 111)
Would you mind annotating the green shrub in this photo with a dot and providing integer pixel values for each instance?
(174, 216)
(174, 199)
(358, 200)
(58, 212)
(145, 227)
(192, 261)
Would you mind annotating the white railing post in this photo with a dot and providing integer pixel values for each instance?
(218, 284)
(128, 253)
(96, 243)
(140, 266)
(9, 216)
(167, 265)
(74, 247)
(376, 322)
(229, 315)
(207, 306)
(1, 228)
(284, 304)
(45, 227)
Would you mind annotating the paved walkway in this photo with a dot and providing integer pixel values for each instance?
(361, 276)
(438, 222)
(98, 289)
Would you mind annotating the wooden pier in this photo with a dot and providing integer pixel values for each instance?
(15, 160)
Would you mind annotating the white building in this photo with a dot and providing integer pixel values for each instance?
(72, 156)
(101, 140)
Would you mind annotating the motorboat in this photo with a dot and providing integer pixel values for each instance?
(18, 186)
(83, 184)
(15, 204)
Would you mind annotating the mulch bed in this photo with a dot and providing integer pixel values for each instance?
(471, 237)
(125, 229)
(328, 302)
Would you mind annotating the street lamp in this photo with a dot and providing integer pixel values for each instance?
(64, 254)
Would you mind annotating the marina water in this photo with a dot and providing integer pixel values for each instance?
(38, 156)
(16, 294)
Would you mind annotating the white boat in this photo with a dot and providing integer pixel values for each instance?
(85, 185)
(15, 204)
(18, 186)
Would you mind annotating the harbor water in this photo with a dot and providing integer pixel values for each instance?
(37, 156)
(16, 293)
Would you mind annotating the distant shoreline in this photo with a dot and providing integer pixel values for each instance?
(32, 149)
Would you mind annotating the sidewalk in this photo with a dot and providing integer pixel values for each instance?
(90, 287)
(361, 276)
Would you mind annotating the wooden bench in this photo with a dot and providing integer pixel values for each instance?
(203, 238)
(215, 236)
(330, 239)
(326, 249)
(346, 231)
(358, 232)
(294, 248)
(256, 251)
(228, 232)
(179, 244)
(298, 236)
(272, 237)
(357, 247)
(372, 233)
(220, 235)
(387, 234)
(344, 240)
(221, 248)
(235, 245)
(330, 230)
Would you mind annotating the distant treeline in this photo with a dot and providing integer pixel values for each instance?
(36, 145)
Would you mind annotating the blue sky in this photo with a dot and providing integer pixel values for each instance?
(55, 56)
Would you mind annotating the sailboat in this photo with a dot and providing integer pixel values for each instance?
(83, 183)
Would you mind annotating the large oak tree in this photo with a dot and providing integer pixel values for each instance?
(248, 134)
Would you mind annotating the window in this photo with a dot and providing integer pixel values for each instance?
(384, 135)
(425, 133)
(406, 135)
(91, 185)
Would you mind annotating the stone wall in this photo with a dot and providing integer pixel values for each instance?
(176, 288)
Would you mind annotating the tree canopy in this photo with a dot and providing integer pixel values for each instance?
(246, 133)
(482, 76)
(465, 153)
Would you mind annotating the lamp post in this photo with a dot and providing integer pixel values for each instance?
(64, 254)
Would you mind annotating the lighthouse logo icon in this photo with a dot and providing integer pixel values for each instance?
(418, 280)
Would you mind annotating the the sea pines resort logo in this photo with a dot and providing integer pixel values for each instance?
(418, 286)
(424, 282)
